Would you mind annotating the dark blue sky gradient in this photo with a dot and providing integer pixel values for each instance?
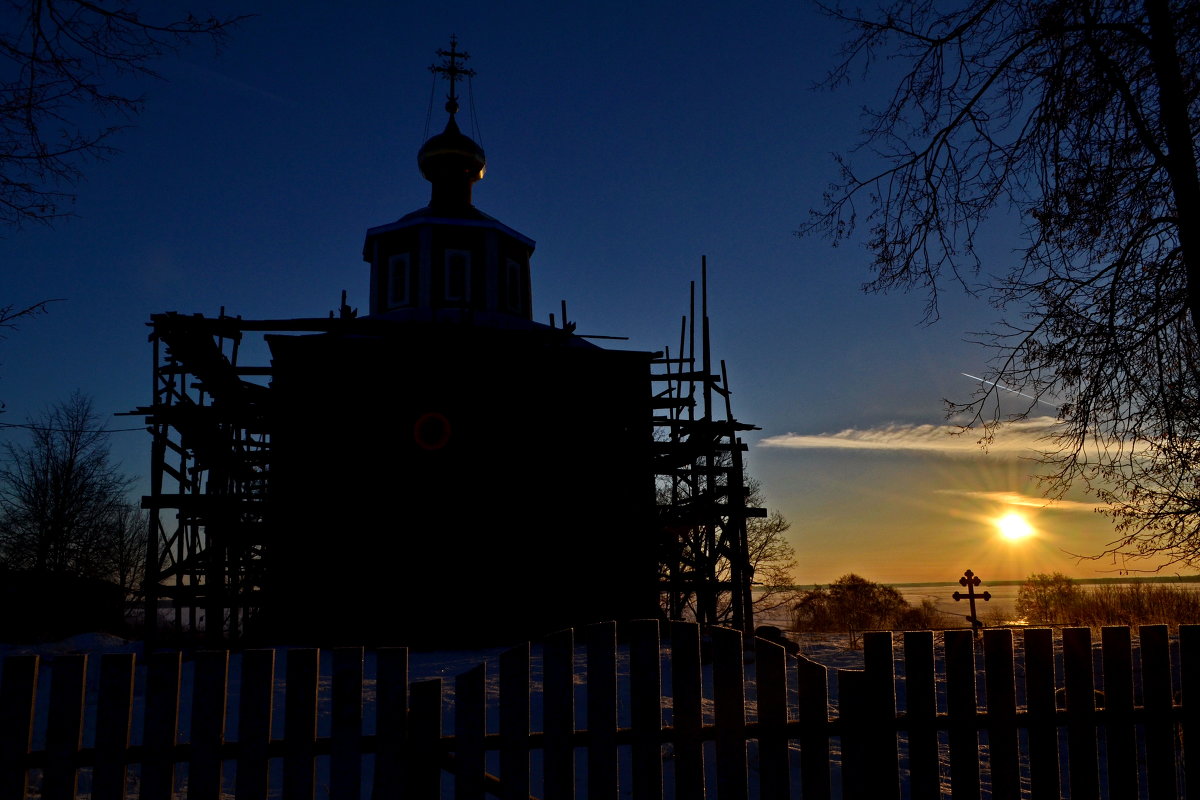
(627, 140)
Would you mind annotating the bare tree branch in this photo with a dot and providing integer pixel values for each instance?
(10, 314)
(57, 62)
(1080, 119)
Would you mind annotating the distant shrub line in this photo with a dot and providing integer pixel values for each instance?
(852, 604)
(1054, 599)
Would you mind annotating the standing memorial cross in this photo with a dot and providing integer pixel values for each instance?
(971, 580)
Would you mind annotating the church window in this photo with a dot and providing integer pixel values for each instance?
(458, 275)
(399, 281)
(512, 285)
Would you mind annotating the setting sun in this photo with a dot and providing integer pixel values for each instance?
(1014, 527)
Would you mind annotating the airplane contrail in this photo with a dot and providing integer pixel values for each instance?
(1005, 388)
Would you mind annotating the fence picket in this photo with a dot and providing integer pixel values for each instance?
(209, 689)
(883, 778)
(558, 723)
(514, 723)
(1001, 688)
(391, 721)
(770, 680)
(1119, 741)
(1081, 713)
(603, 775)
(254, 723)
(18, 691)
(852, 714)
(345, 757)
(161, 726)
(1044, 779)
(64, 727)
(470, 724)
(425, 729)
(1156, 699)
(1189, 670)
(812, 716)
(729, 710)
(300, 724)
(961, 709)
(920, 693)
(114, 718)
(645, 707)
(686, 709)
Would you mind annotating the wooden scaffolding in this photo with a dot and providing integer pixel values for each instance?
(210, 468)
(207, 551)
(705, 572)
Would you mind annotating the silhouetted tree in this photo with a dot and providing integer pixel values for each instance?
(63, 502)
(772, 557)
(61, 63)
(1079, 119)
(852, 604)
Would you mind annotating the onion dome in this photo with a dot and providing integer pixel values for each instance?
(451, 157)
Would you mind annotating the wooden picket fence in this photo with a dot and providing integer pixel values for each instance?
(694, 714)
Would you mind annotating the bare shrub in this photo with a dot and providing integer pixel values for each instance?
(1049, 599)
(924, 617)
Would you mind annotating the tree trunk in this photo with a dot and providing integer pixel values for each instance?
(1181, 154)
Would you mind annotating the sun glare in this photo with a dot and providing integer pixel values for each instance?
(1014, 527)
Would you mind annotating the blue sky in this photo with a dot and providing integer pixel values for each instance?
(628, 141)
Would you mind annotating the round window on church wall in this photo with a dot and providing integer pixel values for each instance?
(431, 431)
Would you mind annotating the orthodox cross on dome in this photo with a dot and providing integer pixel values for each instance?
(452, 71)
